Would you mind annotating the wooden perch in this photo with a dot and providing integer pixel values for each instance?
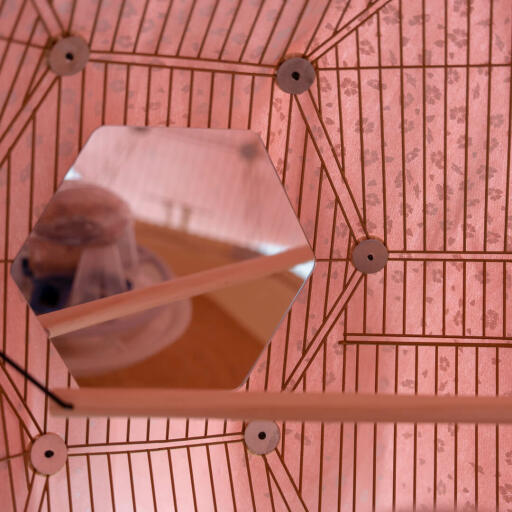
(116, 306)
(323, 407)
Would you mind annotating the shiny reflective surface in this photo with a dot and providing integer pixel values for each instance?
(144, 206)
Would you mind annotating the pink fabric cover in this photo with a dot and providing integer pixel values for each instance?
(404, 136)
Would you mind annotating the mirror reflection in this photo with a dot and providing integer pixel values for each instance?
(167, 258)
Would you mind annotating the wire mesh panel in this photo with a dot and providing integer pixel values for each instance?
(404, 136)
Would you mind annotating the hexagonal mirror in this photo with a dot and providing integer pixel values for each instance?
(167, 258)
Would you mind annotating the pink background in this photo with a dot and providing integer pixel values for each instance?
(429, 175)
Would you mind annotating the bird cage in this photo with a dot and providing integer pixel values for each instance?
(387, 121)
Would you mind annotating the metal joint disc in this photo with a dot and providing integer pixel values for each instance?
(295, 75)
(262, 437)
(370, 256)
(48, 454)
(68, 56)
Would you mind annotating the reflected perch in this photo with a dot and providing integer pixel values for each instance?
(116, 306)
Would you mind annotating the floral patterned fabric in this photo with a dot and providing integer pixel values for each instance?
(404, 136)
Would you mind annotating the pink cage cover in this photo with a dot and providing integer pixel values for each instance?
(404, 136)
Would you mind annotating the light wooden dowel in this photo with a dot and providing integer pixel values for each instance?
(116, 306)
(284, 406)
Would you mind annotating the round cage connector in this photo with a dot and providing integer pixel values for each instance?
(262, 437)
(295, 75)
(48, 454)
(68, 56)
(370, 256)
